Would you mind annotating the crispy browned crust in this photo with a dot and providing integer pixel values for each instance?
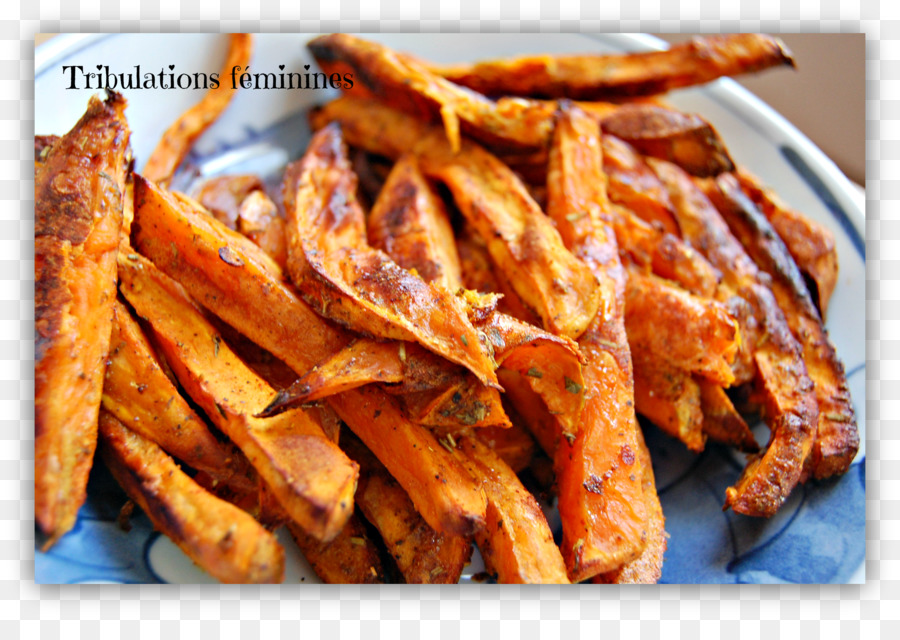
(42, 146)
(598, 473)
(670, 398)
(222, 196)
(602, 77)
(78, 192)
(721, 421)
(837, 438)
(180, 136)
(220, 538)
(350, 558)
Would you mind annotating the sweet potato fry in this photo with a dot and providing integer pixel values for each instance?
(312, 479)
(601, 77)
(516, 542)
(810, 244)
(837, 437)
(222, 196)
(180, 136)
(422, 555)
(78, 192)
(790, 405)
(601, 500)
(285, 326)
(350, 558)
(521, 241)
(340, 275)
(220, 538)
(138, 394)
(721, 421)
(514, 444)
(670, 398)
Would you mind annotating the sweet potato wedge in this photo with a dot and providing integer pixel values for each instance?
(599, 476)
(178, 139)
(310, 476)
(721, 421)
(670, 398)
(837, 437)
(222, 196)
(604, 76)
(350, 558)
(78, 189)
(220, 538)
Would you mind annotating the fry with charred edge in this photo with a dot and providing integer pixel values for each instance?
(339, 274)
(516, 542)
(422, 555)
(78, 192)
(601, 501)
(671, 325)
(837, 437)
(220, 538)
(180, 136)
(522, 243)
(312, 479)
(350, 558)
(188, 245)
(810, 244)
(601, 77)
(670, 398)
(141, 396)
(721, 421)
(776, 359)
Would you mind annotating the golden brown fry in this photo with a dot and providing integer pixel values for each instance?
(350, 558)
(259, 220)
(601, 77)
(220, 538)
(180, 136)
(138, 394)
(670, 399)
(810, 244)
(790, 405)
(78, 192)
(599, 476)
(837, 438)
(340, 275)
(514, 444)
(312, 479)
(670, 325)
(721, 421)
(516, 542)
(222, 196)
(286, 327)
(422, 555)
(521, 241)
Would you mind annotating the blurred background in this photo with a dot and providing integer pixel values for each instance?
(826, 98)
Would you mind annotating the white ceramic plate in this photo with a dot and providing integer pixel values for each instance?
(819, 534)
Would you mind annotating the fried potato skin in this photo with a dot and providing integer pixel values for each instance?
(79, 189)
(220, 538)
(602, 77)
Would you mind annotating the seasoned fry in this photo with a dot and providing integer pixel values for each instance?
(670, 398)
(138, 394)
(721, 421)
(312, 479)
(350, 558)
(601, 501)
(222, 196)
(180, 136)
(810, 244)
(286, 327)
(220, 538)
(601, 77)
(837, 438)
(521, 241)
(78, 192)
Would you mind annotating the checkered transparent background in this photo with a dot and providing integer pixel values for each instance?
(28, 610)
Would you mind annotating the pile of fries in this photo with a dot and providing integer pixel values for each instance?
(471, 283)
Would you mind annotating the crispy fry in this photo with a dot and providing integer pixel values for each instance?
(350, 558)
(516, 542)
(312, 479)
(599, 476)
(340, 275)
(521, 241)
(721, 421)
(286, 327)
(180, 136)
(217, 536)
(601, 77)
(670, 398)
(423, 555)
(138, 394)
(513, 444)
(790, 405)
(78, 191)
(259, 220)
(222, 196)
(810, 244)
(837, 438)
